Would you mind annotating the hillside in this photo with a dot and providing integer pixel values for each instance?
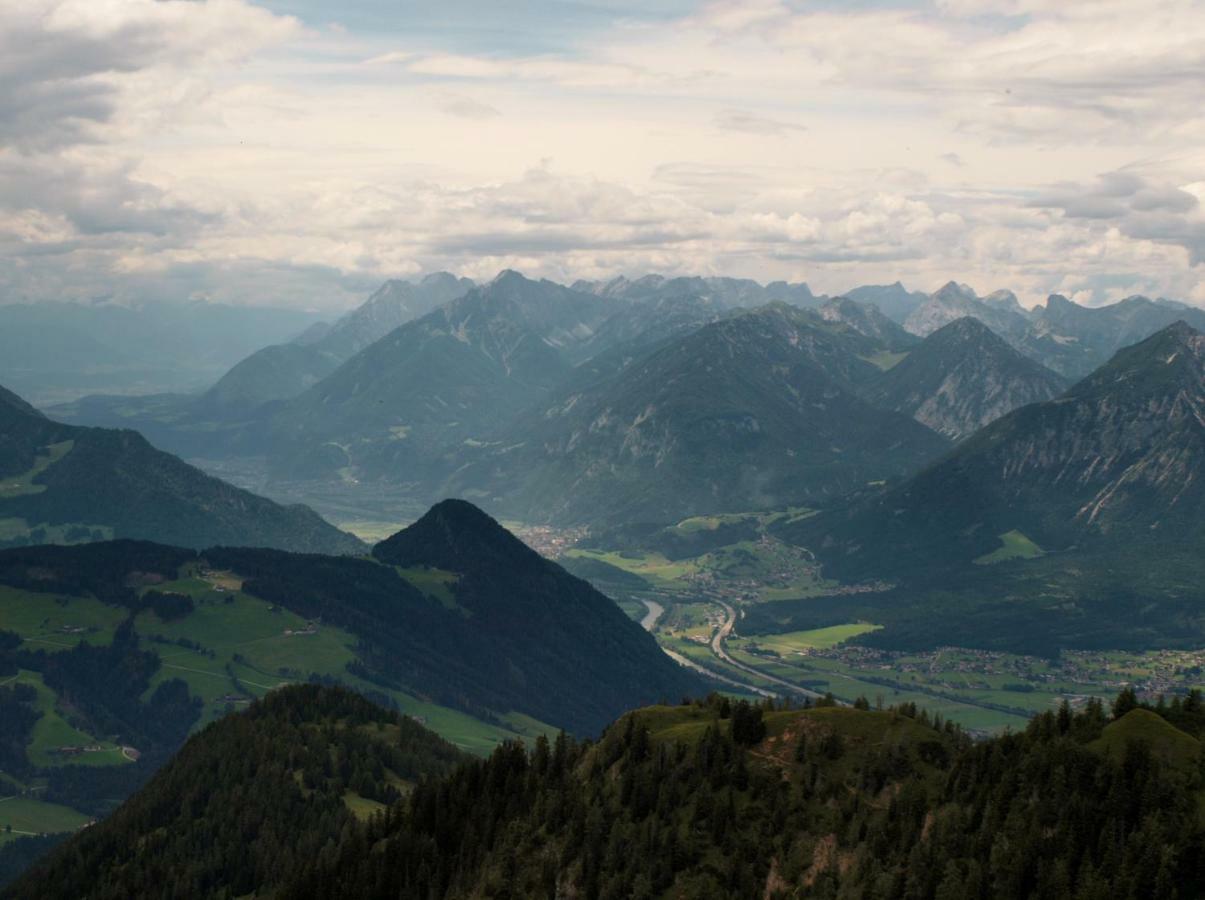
(1119, 457)
(301, 768)
(1074, 340)
(756, 409)
(63, 483)
(960, 378)
(709, 799)
(112, 653)
(433, 383)
(454, 609)
(1045, 530)
(274, 373)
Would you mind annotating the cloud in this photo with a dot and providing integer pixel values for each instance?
(1136, 207)
(393, 57)
(62, 61)
(214, 149)
(751, 123)
(465, 107)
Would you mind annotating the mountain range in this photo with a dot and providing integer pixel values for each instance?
(283, 371)
(756, 409)
(1118, 457)
(395, 407)
(1071, 339)
(556, 403)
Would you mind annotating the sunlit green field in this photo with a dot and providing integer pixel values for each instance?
(23, 484)
(434, 582)
(24, 816)
(1014, 545)
(816, 639)
(372, 532)
(651, 566)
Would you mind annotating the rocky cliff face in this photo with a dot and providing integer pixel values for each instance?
(868, 320)
(962, 377)
(957, 301)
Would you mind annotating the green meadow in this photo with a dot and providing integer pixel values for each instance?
(1013, 545)
(24, 816)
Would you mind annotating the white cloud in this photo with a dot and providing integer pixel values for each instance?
(212, 148)
(752, 123)
(455, 104)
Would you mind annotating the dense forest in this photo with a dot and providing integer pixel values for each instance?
(712, 798)
(248, 800)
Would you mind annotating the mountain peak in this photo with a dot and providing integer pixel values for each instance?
(963, 376)
(438, 278)
(1168, 360)
(952, 290)
(508, 277)
(1179, 330)
(457, 536)
(1006, 299)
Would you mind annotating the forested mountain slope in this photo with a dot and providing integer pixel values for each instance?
(262, 792)
(711, 799)
(68, 483)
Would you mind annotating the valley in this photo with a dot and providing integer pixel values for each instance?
(601, 450)
(696, 607)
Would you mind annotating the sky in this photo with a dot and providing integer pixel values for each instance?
(300, 152)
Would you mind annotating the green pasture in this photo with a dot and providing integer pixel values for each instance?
(1013, 545)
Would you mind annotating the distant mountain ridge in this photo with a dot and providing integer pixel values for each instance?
(867, 319)
(283, 371)
(726, 293)
(757, 408)
(1074, 340)
(436, 381)
(999, 311)
(960, 378)
(893, 300)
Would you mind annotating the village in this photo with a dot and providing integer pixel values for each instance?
(1151, 674)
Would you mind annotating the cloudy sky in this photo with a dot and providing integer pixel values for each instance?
(300, 151)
